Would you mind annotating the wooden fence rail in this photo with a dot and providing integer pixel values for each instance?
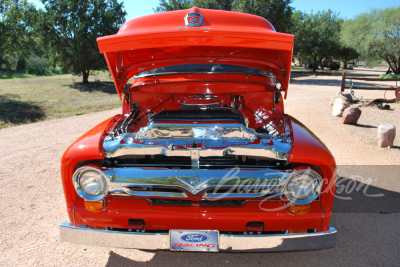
(345, 77)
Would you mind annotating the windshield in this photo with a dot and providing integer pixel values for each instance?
(205, 68)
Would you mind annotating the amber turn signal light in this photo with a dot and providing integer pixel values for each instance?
(299, 210)
(297, 231)
(94, 206)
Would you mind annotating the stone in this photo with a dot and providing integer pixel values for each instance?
(346, 97)
(338, 109)
(351, 115)
(386, 135)
(342, 101)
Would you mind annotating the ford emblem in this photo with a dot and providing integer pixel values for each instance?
(194, 238)
(193, 19)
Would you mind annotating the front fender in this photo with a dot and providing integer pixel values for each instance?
(87, 147)
(307, 148)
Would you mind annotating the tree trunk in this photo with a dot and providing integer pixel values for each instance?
(397, 71)
(387, 59)
(345, 64)
(21, 63)
(314, 65)
(85, 76)
(322, 65)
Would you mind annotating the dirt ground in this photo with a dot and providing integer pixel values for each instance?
(32, 199)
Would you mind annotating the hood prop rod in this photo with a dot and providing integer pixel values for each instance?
(150, 110)
(133, 116)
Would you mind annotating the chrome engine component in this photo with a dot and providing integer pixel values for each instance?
(214, 140)
(200, 101)
(221, 133)
(201, 131)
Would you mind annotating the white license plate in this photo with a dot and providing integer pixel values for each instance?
(194, 240)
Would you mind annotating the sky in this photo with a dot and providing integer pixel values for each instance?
(347, 8)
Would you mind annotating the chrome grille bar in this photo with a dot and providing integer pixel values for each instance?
(178, 183)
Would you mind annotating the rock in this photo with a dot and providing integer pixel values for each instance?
(338, 109)
(342, 101)
(346, 97)
(351, 115)
(386, 135)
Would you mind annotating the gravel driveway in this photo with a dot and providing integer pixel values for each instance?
(32, 199)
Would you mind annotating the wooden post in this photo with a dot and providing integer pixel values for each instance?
(343, 82)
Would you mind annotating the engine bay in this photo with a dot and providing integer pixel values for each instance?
(200, 133)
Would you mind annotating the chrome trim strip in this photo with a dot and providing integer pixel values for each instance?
(144, 194)
(269, 75)
(81, 234)
(73, 210)
(322, 213)
(211, 196)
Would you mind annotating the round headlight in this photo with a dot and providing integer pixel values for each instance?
(90, 183)
(303, 186)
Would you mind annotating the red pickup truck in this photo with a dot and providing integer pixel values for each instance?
(202, 156)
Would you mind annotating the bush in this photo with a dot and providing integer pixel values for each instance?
(30, 72)
(390, 76)
(40, 71)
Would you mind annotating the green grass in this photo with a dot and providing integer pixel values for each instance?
(49, 97)
(28, 73)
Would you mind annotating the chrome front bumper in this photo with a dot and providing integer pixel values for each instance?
(80, 234)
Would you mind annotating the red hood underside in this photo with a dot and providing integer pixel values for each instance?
(162, 39)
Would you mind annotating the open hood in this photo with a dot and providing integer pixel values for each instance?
(196, 36)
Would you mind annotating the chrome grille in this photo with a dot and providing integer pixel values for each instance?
(212, 184)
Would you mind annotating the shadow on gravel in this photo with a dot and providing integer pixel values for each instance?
(325, 82)
(15, 111)
(315, 81)
(105, 87)
(358, 197)
(365, 126)
(117, 260)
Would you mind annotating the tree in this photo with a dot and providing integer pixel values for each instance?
(5, 44)
(71, 27)
(346, 53)
(376, 33)
(16, 31)
(316, 35)
(170, 5)
(278, 12)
